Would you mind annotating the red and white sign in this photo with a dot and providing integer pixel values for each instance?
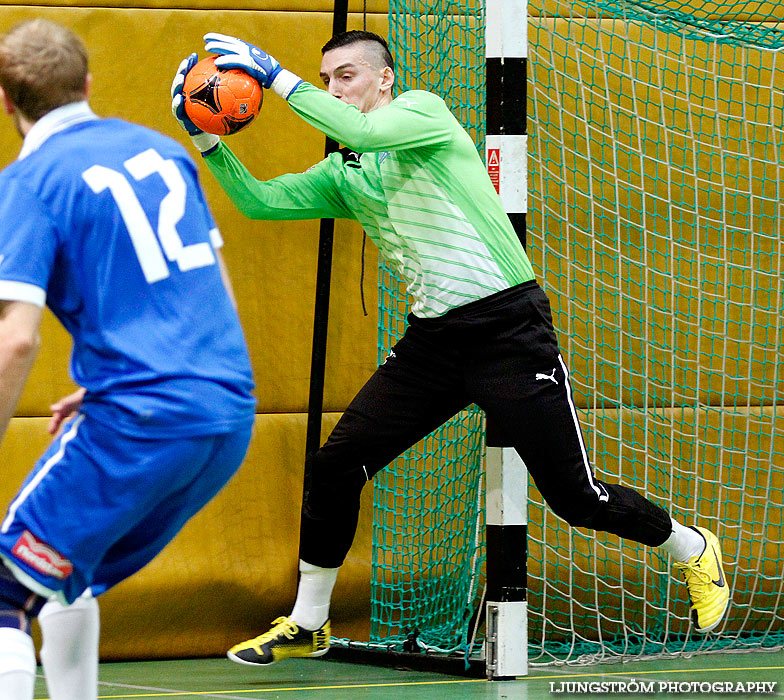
(494, 167)
(41, 556)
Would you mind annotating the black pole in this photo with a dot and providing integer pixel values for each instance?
(323, 283)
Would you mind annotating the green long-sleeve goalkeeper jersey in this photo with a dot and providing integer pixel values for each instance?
(413, 179)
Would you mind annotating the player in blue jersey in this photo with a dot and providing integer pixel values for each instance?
(105, 223)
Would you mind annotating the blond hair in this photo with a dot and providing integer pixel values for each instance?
(43, 66)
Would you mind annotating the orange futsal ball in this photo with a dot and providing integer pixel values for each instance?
(220, 101)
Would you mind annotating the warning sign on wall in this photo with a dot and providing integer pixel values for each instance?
(494, 167)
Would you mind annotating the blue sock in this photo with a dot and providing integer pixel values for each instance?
(18, 604)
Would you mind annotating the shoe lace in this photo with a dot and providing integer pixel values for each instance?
(697, 578)
(280, 626)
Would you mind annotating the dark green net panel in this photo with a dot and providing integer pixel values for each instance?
(428, 511)
(656, 157)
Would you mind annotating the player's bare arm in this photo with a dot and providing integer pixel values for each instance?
(19, 341)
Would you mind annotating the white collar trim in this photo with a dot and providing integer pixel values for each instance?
(54, 122)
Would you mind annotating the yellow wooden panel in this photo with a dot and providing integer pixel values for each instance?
(306, 7)
(23, 443)
(233, 567)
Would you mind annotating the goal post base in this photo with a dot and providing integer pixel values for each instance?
(453, 665)
(506, 646)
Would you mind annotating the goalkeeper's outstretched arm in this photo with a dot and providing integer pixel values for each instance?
(413, 120)
(308, 195)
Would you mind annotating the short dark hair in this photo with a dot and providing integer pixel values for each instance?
(357, 35)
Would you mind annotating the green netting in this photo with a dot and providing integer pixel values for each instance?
(656, 155)
(428, 525)
(754, 24)
(428, 558)
(656, 161)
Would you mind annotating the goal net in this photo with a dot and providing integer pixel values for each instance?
(656, 153)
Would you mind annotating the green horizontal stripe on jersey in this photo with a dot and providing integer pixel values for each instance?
(467, 283)
(468, 267)
(440, 229)
(445, 214)
(434, 196)
(457, 293)
(425, 276)
(407, 177)
(406, 271)
(447, 246)
(405, 189)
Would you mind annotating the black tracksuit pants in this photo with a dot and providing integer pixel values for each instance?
(500, 352)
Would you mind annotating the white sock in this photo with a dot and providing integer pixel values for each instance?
(70, 648)
(17, 665)
(684, 543)
(311, 609)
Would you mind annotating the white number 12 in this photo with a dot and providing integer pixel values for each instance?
(172, 209)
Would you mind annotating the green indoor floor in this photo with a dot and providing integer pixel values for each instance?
(322, 679)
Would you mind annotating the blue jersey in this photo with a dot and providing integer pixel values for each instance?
(105, 222)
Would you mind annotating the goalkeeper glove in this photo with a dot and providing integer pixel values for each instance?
(235, 53)
(202, 140)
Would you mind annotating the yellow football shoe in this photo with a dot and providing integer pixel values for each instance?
(708, 589)
(284, 640)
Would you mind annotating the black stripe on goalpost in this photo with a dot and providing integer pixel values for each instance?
(506, 547)
(318, 356)
(519, 224)
(506, 95)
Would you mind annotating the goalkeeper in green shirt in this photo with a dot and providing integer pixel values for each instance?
(480, 329)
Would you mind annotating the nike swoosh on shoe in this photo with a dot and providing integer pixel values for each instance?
(721, 582)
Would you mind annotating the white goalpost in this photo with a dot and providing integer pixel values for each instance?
(506, 147)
